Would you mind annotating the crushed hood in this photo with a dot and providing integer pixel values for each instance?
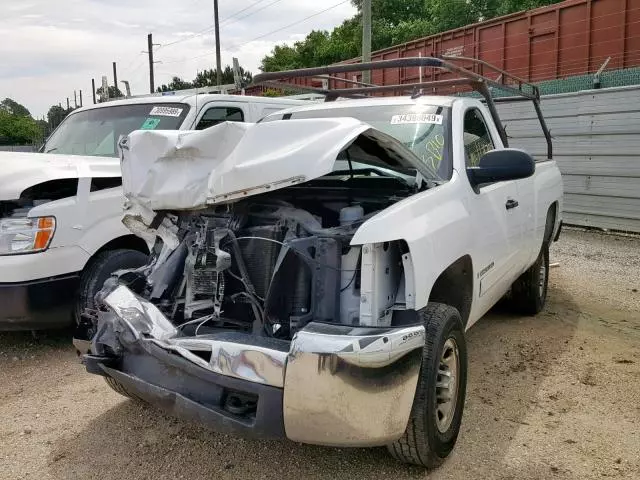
(174, 170)
(21, 170)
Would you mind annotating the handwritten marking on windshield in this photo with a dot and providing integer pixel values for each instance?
(435, 148)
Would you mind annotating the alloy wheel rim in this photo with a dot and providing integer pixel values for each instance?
(447, 385)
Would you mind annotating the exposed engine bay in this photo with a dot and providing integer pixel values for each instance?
(270, 264)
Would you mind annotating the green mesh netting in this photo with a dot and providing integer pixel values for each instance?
(609, 78)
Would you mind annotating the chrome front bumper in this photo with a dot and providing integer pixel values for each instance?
(340, 385)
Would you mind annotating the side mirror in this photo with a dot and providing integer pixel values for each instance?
(501, 165)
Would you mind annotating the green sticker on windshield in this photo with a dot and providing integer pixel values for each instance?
(150, 124)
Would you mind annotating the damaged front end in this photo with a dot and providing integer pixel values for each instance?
(258, 316)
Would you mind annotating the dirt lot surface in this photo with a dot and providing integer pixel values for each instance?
(556, 396)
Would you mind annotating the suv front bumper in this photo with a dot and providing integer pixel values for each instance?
(331, 385)
(37, 304)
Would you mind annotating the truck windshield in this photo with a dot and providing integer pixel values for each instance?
(422, 128)
(96, 132)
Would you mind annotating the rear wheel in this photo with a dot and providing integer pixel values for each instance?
(529, 292)
(437, 409)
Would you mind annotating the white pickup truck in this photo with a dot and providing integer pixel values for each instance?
(314, 279)
(61, 233)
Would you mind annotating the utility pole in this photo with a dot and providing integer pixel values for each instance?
(93, 89)
(366, 38)
(115, 79)
(218, 61)
(150, 50)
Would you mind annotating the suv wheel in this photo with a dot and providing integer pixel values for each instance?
(436, 414)
(99, 269)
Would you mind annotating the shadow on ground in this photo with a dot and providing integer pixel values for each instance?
(509, 359)
(24, 344)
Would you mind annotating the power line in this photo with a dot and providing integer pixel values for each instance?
(222, 22)
(240, 11)
(252, 13)
(236, 47)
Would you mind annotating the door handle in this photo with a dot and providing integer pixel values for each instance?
(511, 204)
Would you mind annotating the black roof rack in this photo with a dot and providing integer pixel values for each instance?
(518, 88)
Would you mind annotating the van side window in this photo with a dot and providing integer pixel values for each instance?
(477, 140)
(216, 115)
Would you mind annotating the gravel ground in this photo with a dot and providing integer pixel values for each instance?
(556, 396)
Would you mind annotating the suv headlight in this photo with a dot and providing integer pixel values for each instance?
(26, 235)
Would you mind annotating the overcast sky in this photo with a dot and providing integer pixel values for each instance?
(49, 48)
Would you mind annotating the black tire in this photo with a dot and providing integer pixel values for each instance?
(99, 269)
(423, 442)
(529, 291)
(117, 387)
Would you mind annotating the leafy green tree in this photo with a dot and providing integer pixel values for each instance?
(56, 114)
(176, 84)
(14, 108)
(283, 57)
(113, 92)
(206, 78)
(18, 129)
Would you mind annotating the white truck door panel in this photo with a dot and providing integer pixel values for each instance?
(528, 245)
(495, 243)
(496, 214)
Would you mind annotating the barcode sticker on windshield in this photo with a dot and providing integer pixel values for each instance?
(166, 111)
(416, 118)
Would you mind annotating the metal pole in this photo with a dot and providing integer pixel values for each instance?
(93, 89)
(150, 50)
(80, 98)
(420, 71)
(115, 79)
(75, 99)
(67, 103)
(218, 60)
(366, 38)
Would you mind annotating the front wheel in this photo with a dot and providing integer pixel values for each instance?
(437, 409)
(96, 273)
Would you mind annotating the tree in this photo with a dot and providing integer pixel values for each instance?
(176, 84)
(113, 92)
(14, 108)
(206, 78)
(18, 129)
(56, 114)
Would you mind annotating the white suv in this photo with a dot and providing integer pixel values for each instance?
(61, 234)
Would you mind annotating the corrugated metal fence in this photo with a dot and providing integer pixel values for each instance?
(597, 146)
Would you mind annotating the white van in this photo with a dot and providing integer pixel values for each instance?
(61, 234)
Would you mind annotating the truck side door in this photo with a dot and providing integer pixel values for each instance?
(492, 210)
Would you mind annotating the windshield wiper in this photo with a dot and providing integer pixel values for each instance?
(51, 150)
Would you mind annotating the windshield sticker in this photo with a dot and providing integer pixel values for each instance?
(413, 118)
(166, 111)
(150, 124)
